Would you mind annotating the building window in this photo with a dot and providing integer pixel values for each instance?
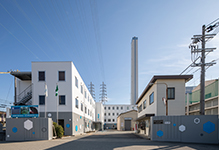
(76, 103)
(104, 120)
(104, 114)
(151, 97)
(61, 99)
(41, 99)
(113, 108)
(41, 75)
(105, 108)
(140, 108)
(113, 120)
(108, 108)
(117, 108)
(81, 107)
(61, 75)
(109, 120)
(88, 111)
(81, 89)
(171, 93)
(117, 114)
(121, 108)
(76, 82)
(144, 104)
(85, 110)
(127, 108)
(85, 95)
(108, 114)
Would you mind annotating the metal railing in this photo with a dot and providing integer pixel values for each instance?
(24, 96)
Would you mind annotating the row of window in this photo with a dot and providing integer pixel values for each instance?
(85, 92)
(87, 111)
(61, 77)
(113, 108)
(112, 114)
(170, 95)
(42, 99)
(42, 76)
(109, 120)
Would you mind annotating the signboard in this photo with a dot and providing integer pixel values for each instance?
(28, 111)
(158, 121)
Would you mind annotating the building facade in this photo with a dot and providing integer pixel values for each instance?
(73, 106)
(152, 102)
(126, 121)
(134, 70)
(211, 99)
(111, 112)
(99, 116)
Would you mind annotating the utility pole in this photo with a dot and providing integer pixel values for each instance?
(91, 89)
(195, 50)
(202, 82)
(103, 95)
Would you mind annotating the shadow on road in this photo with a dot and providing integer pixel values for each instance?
(125, 141)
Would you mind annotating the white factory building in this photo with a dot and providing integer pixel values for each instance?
(74, 103)
(112, 111)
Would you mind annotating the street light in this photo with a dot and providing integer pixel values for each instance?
(166, 100)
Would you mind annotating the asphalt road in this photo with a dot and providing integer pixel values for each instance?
(111, 140)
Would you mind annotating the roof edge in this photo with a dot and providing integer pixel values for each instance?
(157, 77)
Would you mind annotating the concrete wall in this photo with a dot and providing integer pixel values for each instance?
(23, 129)
(121, 120)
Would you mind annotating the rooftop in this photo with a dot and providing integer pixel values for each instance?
(157, 77)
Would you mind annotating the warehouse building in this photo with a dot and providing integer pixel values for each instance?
(126, 121)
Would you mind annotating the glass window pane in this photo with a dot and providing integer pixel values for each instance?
(61, 75)
(41, 75)
(41, 99)
(61, 99)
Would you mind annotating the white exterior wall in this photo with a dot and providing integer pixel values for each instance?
(115, 111)
(99, 110)
(175, 107)
(51, 79)
(150, 109)
(22, 85)
(66, 88)
(81, 97)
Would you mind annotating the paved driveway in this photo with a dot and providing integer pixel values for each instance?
(103, 141)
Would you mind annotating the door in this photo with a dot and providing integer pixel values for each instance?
(61, 122)
(127, 125)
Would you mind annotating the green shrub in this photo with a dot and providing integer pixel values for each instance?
(59, 130)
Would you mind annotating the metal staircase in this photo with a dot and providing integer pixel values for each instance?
(24, 98)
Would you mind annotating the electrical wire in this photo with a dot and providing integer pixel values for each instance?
(20, 42)
(25, 31)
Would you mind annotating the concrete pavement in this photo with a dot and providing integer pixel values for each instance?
(106, 140)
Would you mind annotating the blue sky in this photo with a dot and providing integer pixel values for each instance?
(96, 36)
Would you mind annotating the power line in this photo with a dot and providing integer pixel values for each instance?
(25, 31)
(20, 41)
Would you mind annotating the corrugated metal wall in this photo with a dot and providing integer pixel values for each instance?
(194, 129)
(22, 129)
